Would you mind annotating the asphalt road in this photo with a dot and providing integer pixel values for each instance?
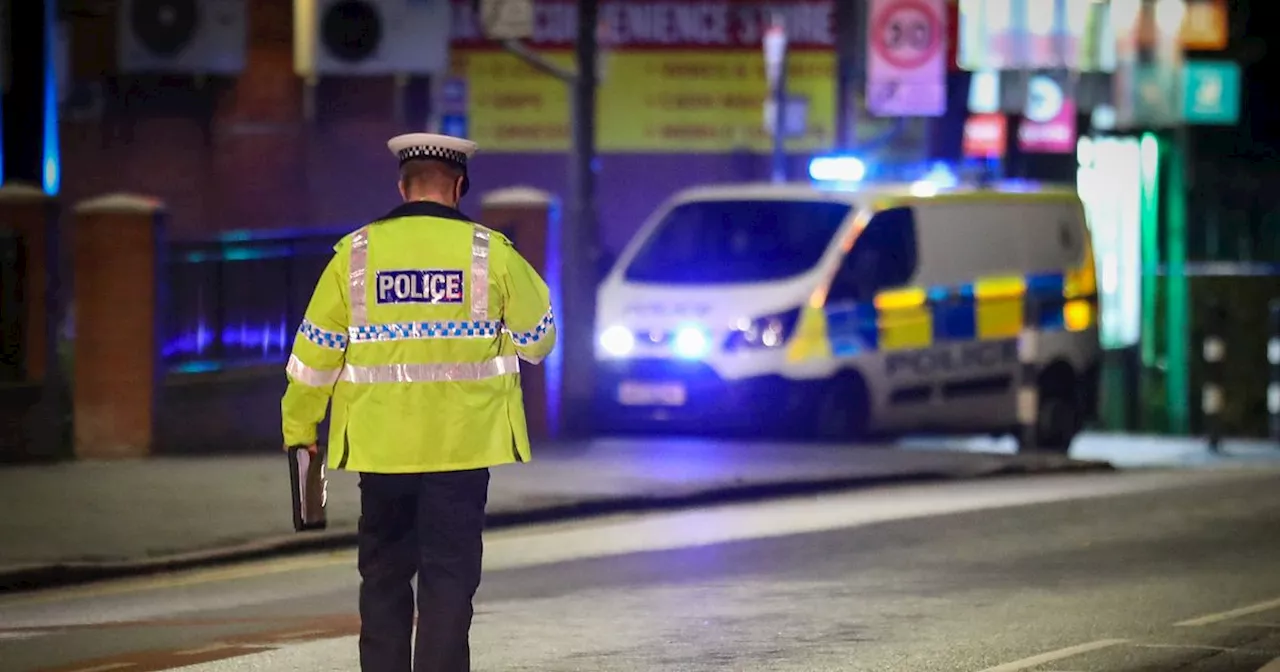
(1151, 571)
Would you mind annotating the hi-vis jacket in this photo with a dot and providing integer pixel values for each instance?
(415, 331)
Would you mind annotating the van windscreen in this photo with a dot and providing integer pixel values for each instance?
(726, 242)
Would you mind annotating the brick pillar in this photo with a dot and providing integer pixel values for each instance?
(118, 261)
(32, 216)
(525, 215)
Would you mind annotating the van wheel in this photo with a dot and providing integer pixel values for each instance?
(1059, 420)
(841, 411)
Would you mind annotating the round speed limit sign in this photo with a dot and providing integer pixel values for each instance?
(906, 33)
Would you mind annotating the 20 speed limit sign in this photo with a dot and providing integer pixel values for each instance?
(907, 34)
(906, 73)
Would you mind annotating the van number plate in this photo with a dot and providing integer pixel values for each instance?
(631, 393)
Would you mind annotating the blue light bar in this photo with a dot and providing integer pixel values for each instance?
(691, 342)
(837, 169)
(941, 176)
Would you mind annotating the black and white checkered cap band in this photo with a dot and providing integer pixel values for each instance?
(431, 152)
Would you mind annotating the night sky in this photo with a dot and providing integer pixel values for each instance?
(1262, 78)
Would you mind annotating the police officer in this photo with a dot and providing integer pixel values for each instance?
(415, 332)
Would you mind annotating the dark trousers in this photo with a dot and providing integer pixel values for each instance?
(428, 524)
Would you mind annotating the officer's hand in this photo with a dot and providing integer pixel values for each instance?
(313, 448)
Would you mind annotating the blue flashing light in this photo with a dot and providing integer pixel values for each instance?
(198, 367)
(937, 178)
(554, 364)
(52, 164)
(691, 342)
(941, 176)
(291, 234)
(266, 342)
(1020, 186)
(837, 169)
(239, 253)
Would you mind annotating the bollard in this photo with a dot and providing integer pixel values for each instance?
(118, 258)
(1273, 357)
(1213, 351)
(1028, 380)
(526, 216)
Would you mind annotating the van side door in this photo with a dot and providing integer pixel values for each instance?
(869, 306)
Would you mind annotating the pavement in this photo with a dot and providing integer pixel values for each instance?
(1130, 451)
(1148, 570)
(79, 521)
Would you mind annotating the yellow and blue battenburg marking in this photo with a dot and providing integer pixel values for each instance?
(533, 336)
(321, 337)
(420, 330)
(419, 286)
(989, 309)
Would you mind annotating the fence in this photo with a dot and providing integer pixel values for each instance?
(1233, 254)
(1234, 212)
(237, 300)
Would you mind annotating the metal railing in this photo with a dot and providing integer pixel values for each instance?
(1233, 216)
(237, 300)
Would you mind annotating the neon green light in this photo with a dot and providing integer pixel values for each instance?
(1150, 152)
(1150, 148)
(1177, 297)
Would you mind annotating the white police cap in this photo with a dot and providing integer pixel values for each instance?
(432, 146)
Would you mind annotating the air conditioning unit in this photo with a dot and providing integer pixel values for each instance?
(371, 37)
(182, 36)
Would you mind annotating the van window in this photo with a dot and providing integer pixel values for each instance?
(723, 242)
(962, 241)
(884, 256)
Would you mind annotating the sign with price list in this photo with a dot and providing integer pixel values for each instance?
(906, 68)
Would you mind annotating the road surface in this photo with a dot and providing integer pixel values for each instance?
(1166, 570)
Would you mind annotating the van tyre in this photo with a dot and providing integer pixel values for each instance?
(840, 411)
(1059, 419)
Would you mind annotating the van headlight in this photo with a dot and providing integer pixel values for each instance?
(617, 341)
(765, 332)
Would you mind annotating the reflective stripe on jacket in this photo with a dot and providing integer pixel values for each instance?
(415, 331)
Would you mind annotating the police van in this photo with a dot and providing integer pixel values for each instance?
(852, 310)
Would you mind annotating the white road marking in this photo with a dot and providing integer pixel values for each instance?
(22, 634)
(1219, 617)
(216, 647)
(1200, 647)
(103, 668)
(1051, 656)
(296, 635)
(326, 655)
